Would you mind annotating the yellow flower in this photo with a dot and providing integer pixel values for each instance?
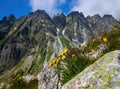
(50, 64)
(62, 53)
(58, 59)
(54, 60)
(73, 55)
(105, 39)
(63, 57)
(65, 50)
(93, 40)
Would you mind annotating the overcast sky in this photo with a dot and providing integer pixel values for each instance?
(52, 7)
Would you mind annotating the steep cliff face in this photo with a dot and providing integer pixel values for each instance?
(100, 24)
(77, 28)
(36, 29)
(60, 21)
(5, 25)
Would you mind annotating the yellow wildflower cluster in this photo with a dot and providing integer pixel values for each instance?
(93, 40)
(105, 39)
(73, 55)
(62, 56)
(64, 52)
(54, 61)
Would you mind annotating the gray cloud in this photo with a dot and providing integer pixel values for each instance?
(50, 6)
(91, 7)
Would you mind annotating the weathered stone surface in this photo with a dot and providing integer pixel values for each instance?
(103, 74)
(5, 25)
(48, 79)
(77, 28)
(59, 21)
(100, 24)
(28, 32)
(29, 78)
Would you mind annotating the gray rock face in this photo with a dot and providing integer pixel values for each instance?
(28, 32)
(48, 79)
(60, 21)
(100, 24)
(77, 28)
(5, 25)
(103, 74)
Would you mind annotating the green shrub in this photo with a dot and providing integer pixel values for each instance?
(113, 40)
(18, 83)
(74, 66)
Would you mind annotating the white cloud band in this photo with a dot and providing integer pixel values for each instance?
(50, 6)
(88, 7)
(91, 7)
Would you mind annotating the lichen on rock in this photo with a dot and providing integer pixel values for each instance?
(103, 74)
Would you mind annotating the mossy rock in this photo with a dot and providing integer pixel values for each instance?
(103, 74)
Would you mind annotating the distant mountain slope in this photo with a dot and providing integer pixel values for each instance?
(19, 36)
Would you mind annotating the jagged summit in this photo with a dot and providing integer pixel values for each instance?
(40, 13)
(8, 18)
(59, 20)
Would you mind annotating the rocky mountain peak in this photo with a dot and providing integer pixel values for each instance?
(109, 19)
(97, 26)
(108, 16)
(94, 17)
(5, 24)
(75, 15)
(59, 21)
(77, 27)
(40, 14)
(9, 18)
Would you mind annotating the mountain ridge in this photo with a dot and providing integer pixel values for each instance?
(32, 41)
(74, 26)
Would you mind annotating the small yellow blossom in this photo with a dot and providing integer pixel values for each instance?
(54, 60)
(65, 50)
(58, 59)
(73, 55)
(50, 64)
(63, 57)
(93, 40)
(62, 53)
(105, 39)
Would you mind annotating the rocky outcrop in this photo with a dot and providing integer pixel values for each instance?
(60, 21)
(48, 79)
(103, 74)
(77, 28)
(5, 25)
(100, 24)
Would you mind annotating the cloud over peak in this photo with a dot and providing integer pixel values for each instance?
(88, 7)
(91, 7)
(50, 6)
